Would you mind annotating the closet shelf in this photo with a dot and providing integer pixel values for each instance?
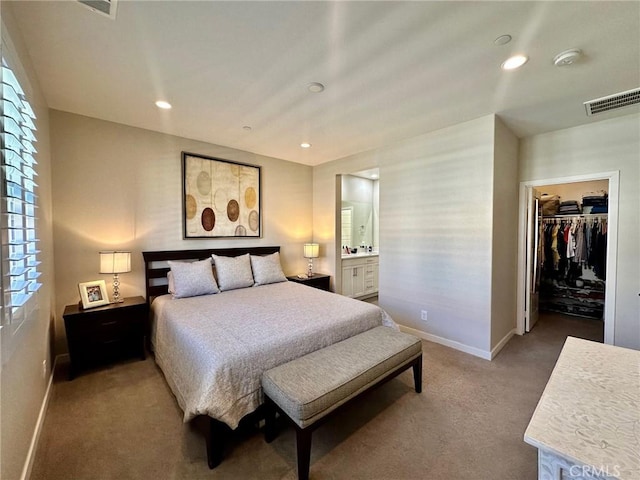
(578, 215)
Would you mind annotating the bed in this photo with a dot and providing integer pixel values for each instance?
(212, 348)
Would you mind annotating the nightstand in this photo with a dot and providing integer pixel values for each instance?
(104, 334)
(319, 280)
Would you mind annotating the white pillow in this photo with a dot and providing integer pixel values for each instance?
(233, 272)
(267, 269)
(171, 284)
(191, 279)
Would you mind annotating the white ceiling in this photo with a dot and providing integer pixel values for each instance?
(392, 70)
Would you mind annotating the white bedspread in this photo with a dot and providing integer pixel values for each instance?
(214, 348)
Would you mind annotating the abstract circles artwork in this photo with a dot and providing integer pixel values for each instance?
(204, 183)
(250, 197)
(190, 206)
(233, 210)
(254, 220)
(221, 198)
(208, 219)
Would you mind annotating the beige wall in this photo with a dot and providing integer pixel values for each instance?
(26, 352)
(119, 187)
(610, 145)
(436, 233)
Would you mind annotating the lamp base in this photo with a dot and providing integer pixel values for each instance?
(116, 289)
(310, 269)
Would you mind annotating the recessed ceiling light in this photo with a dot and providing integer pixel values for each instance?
(315, 87)
(162, 104)
(514, 62)
(305, 145)
(502, 40)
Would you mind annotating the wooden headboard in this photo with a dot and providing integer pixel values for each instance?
(156, 267)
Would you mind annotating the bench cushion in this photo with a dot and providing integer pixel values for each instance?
(310, 387)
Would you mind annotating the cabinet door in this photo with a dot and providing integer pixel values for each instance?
(347, 282)
(358, 280)
(353, 281)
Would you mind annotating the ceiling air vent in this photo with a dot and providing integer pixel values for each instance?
(103, 7)
(612, 102)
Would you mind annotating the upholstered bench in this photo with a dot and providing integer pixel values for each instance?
(308, 388)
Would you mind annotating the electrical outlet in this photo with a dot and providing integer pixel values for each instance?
(44, 368)
(423, 315)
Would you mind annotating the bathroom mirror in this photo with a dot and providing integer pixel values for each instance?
(359, 222)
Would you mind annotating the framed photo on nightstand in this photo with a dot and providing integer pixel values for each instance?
(93, 294)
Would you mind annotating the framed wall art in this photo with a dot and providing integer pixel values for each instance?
(93, 294)
(220, 198)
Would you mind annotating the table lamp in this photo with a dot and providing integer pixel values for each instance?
(311, 251)
(116, 263)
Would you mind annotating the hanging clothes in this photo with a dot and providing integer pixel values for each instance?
(599, 250)
(581, 245)
(572, 243)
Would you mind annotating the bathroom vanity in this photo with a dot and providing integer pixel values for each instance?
(360, 275)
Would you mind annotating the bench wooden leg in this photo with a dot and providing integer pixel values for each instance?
(270, 430)
(215, 442)
(417, 374)
(303, 446)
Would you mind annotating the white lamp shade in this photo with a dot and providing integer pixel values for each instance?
(311, 250)
(115, 262)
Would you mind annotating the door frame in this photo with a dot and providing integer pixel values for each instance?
(612, 245)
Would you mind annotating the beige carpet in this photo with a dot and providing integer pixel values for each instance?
(122, 422)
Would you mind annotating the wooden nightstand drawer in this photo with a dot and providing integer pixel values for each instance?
(97, 325)
(105, 333)
(112, 330)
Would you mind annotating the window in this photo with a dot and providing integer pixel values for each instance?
(20, 265)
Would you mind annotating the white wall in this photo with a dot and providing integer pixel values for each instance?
(605, 146)
(505, 234)
(119, 187)
(24, 382)
(436, 208)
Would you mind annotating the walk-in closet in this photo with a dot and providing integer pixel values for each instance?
(573, 249)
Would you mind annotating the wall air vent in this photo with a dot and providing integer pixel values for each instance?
(613, 102)
(103, 7)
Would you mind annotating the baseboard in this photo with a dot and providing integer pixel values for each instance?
(495, 350)
(28, 464)
(449, 343)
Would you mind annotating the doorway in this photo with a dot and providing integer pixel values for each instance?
(528, 286)
(357, 227)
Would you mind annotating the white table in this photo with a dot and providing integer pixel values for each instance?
(587, 422)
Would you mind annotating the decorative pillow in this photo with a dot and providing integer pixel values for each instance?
(233, 272)
(267, 269)
(191, 279)
(171, 284)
